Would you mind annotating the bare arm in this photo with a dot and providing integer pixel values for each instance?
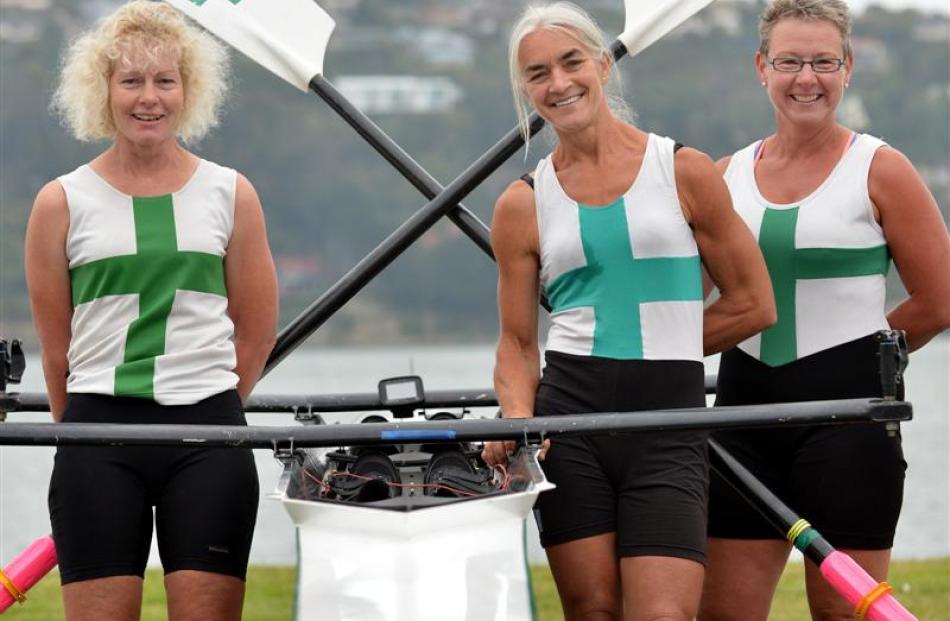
(917, 239)
(47, 278)
(252, 288)
(730, 255)
(517, 364)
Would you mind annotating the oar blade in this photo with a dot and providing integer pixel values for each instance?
(647, 22)
(287, 37)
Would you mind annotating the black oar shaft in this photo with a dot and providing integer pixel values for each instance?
(401, 161)
(386, 252)
(390, 248)
(794, 414)
(776, 512)
(302, 403)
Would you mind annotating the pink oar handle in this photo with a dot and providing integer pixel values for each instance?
(26, 570)
(861, 590)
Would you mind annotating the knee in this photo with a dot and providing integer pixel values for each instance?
(667, 615)
(835, 613)
(711, 612)
(592, 609)
(592, 615)
(706, 614)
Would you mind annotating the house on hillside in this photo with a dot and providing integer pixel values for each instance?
(401, 94)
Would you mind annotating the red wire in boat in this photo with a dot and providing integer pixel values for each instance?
(401, 485)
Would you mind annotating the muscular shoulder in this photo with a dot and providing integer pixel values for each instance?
(514, 222)
(49, 222)
(692, 165)
(888, 167)
(248, 212)
(896, 188)
(697, 180)
(51, 202)
(722, 164)
(244, 188)
(515, 206)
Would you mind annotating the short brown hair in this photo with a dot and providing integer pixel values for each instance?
(834, 11)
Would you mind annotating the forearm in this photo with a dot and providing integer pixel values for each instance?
(727, 322)
(517, 373)
(921, 319)
(55, 372)
(252, 353)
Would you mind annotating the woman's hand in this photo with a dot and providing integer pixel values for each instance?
(497, 452)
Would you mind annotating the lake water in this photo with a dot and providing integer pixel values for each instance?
(924, 530)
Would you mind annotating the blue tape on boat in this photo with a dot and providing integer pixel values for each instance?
(426, 434)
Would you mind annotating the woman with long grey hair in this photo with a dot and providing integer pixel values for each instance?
(615, 226)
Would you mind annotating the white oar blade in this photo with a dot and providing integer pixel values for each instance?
(647, 22)
(287, 37)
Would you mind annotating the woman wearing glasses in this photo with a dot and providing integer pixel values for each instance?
(829, 208)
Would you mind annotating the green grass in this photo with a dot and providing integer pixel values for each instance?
(922, 586)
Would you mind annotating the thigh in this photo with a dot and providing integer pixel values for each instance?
(741, 576)
(662, 482)
(117, 598)
(657, 587)
(849, 482)
(825, 603)
(206, 512)
(582, 503)
(100, 514)
(587, 577)
(203, 596)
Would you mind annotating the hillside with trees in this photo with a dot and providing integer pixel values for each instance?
(329, 198)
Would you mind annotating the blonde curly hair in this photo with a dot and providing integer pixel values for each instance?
(140, 29)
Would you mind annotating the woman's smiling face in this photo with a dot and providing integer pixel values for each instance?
(562, 80)
(804, 96)
(146, 98)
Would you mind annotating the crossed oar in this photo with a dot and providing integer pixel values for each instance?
(289, 38)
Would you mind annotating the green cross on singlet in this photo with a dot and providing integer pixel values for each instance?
(788, 264)
(615, 283)
(155, 273)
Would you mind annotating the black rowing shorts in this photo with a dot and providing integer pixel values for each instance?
(846, 480)
(649, 488)
(101, 498)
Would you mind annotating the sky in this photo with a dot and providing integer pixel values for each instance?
(929, 6)
(943, 6)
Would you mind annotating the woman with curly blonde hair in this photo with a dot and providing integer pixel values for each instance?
(154, 299)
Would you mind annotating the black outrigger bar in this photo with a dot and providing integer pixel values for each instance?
(526, 429)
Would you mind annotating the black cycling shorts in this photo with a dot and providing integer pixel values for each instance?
(846, 480)
(101, 499)
(649, 488)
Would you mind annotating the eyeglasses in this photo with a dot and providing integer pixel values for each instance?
(794, 65)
